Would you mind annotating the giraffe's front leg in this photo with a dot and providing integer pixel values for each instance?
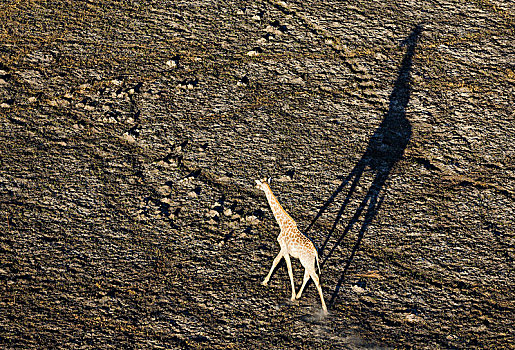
(274, 264)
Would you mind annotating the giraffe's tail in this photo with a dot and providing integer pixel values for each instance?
(316, 255)
(318, 265)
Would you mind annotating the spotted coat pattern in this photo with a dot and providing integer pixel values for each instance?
(293, 243)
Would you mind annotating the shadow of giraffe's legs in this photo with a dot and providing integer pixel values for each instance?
(356, 173)
(373, 207)
(385, 148)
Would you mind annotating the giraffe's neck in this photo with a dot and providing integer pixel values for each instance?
(282, 217)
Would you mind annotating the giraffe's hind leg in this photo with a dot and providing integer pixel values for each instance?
(308, 262)
(306, 279)
(315, 279)
(290, 272)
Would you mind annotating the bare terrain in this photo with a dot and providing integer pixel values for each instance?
(131, 134)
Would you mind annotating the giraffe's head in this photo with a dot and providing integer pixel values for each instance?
(262, 183)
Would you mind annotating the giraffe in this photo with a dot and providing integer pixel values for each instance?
(294, 243)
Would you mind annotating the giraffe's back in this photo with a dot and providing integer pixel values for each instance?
(300, 246)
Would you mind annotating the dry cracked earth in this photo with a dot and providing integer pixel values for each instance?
(131, 134)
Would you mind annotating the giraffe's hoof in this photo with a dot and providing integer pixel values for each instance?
(298, 296)
(265, 283)
(293, 298)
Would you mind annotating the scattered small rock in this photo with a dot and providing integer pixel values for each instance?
(297, 81)
(252, 220)
(212, 213)
(164, 190)
(224, 179)
(167, 200)
(357, 289)
(129, 138)
(188, 84)
(258, 16)
(255, 52)
(280, 27)
(368, 300)
(412, 318)
(243, 81)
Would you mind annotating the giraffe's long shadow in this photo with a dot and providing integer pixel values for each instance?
(385, 148)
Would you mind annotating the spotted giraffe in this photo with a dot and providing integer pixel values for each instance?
(294, 243)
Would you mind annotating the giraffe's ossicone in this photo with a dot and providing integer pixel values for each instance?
(294, 243)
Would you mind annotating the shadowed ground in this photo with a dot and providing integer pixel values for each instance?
(385, 148)
(131, 134)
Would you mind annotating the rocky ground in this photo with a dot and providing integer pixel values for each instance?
(131, 134)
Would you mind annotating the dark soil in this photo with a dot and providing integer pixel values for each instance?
(131, 134)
